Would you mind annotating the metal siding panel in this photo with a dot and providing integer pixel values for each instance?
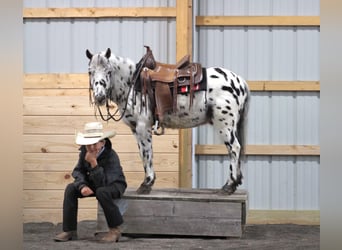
(64, 41)
(234, 48)
(308, 183)
(257, 181)
(307, 118)
(307, 54)
(259, 54)
(258, 126)
(282, 62)
(260, 8)
(83, 37)
(267, 53)
(284, 8)
(282, 118)
(59, 54)
(282, 183)
(35, 47)
(308, 7)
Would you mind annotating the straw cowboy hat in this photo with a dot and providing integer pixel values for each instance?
(93, 133)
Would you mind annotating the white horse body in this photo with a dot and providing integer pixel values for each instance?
(224, 105)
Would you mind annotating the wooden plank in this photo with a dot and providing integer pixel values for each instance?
(257, 20)
(184, 209)
(58, 180)
(46, 162)
(121, 143)
(218, 227)
(187, 194)
(54, 215)
(184, 47)
(57, 105)
(55, 125)
(160, 12)
(56, 92)
(295, 150)
(53, 199)
(284, 85)
(59, 81)
(34, 84)
(301, 217)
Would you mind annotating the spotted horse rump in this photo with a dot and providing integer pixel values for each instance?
(223, 104)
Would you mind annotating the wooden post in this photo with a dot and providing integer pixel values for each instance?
(183, 47)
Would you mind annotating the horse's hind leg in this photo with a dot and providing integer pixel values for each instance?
(235, 176)
(143, 136)
(226, 125)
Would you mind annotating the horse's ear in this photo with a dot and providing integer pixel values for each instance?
(108, 53)
(89, 55)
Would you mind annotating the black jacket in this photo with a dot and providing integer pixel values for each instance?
(108, 171)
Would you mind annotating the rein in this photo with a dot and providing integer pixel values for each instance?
(112, 116)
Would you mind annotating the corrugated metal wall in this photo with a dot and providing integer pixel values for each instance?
(58, 45)
(278, 118)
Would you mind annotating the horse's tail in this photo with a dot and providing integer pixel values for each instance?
(242, 123)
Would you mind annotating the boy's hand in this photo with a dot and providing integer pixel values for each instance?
(86, 191)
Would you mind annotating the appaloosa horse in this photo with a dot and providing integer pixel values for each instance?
(223, 103)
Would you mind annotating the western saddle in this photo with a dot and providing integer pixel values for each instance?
(161, 82)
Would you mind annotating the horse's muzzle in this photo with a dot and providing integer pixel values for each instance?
(100, 100)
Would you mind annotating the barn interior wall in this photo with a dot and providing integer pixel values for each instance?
(56, 101)
(54, 107)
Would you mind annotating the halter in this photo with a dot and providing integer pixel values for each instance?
(109, 115)
(136, 73)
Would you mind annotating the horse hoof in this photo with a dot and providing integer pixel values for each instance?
(144, 189)
(228, 189)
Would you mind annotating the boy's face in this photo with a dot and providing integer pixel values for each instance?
(96, 147)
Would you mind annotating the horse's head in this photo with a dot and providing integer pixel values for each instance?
(100, 72)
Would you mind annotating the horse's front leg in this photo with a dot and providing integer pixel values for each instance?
(143, 135)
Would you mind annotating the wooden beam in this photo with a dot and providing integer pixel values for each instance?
(258, 21)
(160, 12)
(122, 143)
(301, 217)
(291, 150)
(59, 81)
(81, 83)
(183, 47)
(284, 85)
(59, 180)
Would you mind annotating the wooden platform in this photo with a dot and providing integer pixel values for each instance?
(195, 212)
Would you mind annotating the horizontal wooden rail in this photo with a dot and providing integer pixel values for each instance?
(284, 85)
(275, 150)
(77, 81)
(258, 21)
(170, 12)
(99, 12)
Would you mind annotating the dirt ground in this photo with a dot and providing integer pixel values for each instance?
(40, 236)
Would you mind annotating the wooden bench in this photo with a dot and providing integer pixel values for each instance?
(191, 212)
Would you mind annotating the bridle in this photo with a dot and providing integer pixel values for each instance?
(112, 116)
(109, 115)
